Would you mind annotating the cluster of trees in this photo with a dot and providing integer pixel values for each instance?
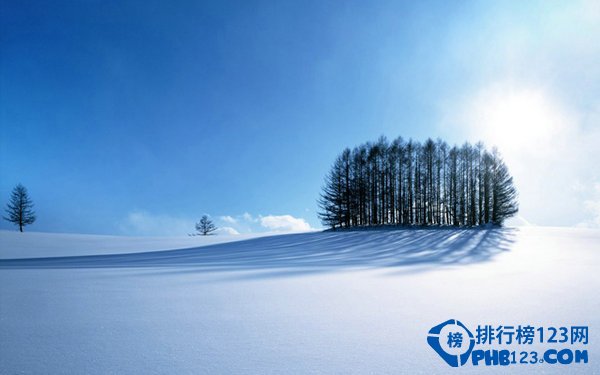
(409, 183)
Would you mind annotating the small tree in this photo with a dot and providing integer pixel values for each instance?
(20, 208)
(205, 226)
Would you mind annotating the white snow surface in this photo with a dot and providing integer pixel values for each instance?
(357, 302)
(14, 244)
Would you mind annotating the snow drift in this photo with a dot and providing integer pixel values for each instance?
(334, 302)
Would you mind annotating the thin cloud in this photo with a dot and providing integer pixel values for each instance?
(248, 223)
(592, 208)
(227, 231)
(284, 223)
(229, 219)
(249, 218)
(143, 223)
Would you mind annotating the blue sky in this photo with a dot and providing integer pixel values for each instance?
(137, 117)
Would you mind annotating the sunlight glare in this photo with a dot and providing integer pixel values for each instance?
(518, 121)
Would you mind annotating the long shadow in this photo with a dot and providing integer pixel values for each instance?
(320, 251)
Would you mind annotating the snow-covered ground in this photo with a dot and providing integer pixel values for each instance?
(39, 245)
(312, 303)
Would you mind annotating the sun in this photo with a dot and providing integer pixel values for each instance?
(517, 121)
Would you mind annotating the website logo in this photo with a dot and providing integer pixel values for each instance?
(452, 341)
(507, 345)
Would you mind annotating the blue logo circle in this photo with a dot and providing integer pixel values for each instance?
(452, 341)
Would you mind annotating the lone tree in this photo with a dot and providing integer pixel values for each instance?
(205, 226)
(20, 208)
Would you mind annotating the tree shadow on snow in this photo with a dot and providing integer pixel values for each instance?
(293, 254)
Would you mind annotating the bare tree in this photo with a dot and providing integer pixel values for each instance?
(409, 183)
(20, 208)
(504, 194)
(331, 201)
(205, 226)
